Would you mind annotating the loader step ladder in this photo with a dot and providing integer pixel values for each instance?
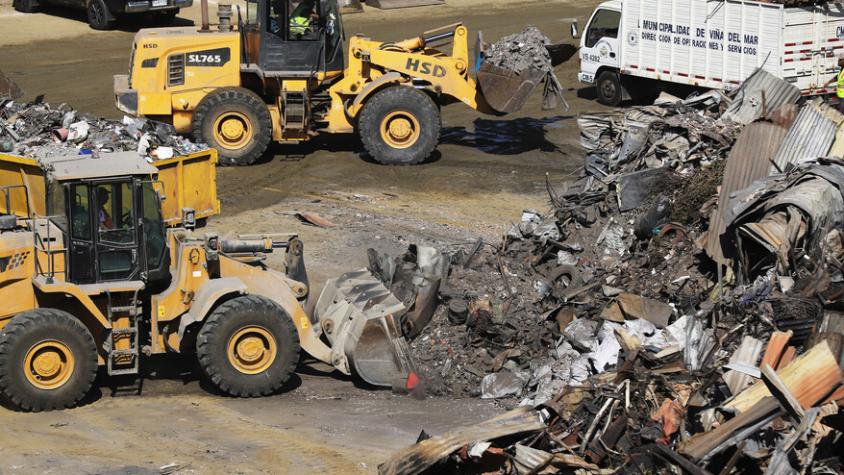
(122, 361)
(295, 114)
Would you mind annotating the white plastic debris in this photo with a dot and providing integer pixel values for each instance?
(78, 131)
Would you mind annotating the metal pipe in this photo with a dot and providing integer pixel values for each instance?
(441, 36)
(243, 246)
(206, 25)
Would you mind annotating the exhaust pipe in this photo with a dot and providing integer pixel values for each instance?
(224, 14)
(206, 26)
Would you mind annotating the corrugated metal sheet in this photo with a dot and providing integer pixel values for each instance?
(837, 149)
(749, 160)
(759, 95)
(811, 136)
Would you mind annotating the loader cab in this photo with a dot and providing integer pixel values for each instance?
(113, 228)
(294, 38)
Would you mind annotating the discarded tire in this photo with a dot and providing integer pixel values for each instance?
(458, 311)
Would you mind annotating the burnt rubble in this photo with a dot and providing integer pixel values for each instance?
(39, 130)
(678, 309)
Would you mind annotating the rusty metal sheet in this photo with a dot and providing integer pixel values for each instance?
(759, 95)
(749, 160)
(651, 310)
(811, 136)
(418, 458)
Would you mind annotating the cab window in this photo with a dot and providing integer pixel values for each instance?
(303, 20)
(154, 235)
(80, 217)
(604, 24)
(114, 213)
(275, 22)
(56, 204)
(333, 29)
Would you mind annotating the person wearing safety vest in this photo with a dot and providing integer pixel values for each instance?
(301, 18)
(839, 79)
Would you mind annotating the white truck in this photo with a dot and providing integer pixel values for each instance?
(632, 47)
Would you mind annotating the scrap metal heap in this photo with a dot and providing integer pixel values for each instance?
(678, 309)
(39, 130)
(521, 51)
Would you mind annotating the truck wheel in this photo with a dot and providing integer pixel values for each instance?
(26, 6)
(48, 360)
(248, 347)
(166, 17)
(399, 125)
(99, 16)
(609, 88)
(236, 122)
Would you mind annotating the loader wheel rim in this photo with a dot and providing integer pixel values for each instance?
(400, 129)
(49, 364)
(232, 130)
(252, 349)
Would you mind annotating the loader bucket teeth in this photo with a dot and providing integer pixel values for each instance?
(507, 91)
(360, 318)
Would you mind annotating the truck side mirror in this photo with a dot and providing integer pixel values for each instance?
(574, 33)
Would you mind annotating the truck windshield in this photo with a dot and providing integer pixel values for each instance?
(604, 24)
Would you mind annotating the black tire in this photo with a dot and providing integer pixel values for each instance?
(238, 103)
(21, 335)
(402, 102)
(26, 6)
(609, 88)
(99, 16)
(224, 323)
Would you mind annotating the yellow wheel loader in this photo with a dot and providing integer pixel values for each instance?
(283, 75)
(99, 281)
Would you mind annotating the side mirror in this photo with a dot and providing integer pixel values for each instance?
(574, 33)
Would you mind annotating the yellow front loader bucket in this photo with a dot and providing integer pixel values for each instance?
(506, 91)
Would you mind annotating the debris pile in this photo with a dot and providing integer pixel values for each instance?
(39, 130)
(521, 51)
(679, 308)
(681, 135)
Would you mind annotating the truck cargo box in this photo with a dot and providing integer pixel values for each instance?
(186, 181)
(714, 44)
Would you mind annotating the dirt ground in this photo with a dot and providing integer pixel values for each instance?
(486, 171)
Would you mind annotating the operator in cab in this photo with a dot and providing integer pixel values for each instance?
(302, 20)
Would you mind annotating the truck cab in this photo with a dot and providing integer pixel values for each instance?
(600, 52)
